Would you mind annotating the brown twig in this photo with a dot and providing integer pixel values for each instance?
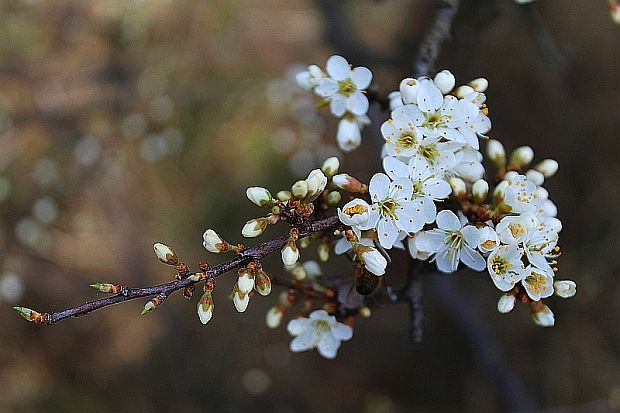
(255, 253)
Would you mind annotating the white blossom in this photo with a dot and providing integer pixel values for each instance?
(320, 331)
(538, 284)
(505, 267)
(451, 242)
(565, 288)
(489, 241)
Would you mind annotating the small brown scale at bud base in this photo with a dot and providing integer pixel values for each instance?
(330, 307)
(308, 304)
(188, 292)
(291, 296)
(203, 266)
(209, 284)
(183, 270)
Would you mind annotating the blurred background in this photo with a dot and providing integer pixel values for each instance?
(127, 122)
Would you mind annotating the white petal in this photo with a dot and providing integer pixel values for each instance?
(430, 241)
(328, 346)
(338, 68)
(304, 342)
(408, 113)
(358, 103)
(388, 233)
(448, 221)
(471, 235)
(342, 332)
(379, 187)
(430, 97)
(327, 87)
(338, 105)
(472, 259)
(447, 260)
(362, 77)
(395, 168)
(298, 326)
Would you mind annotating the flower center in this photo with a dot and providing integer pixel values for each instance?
(346, 87)
(320, 327)
(428, 152)
(357, 209)
(388, 206)
(537, 282)
(500, 265)
(517, 230)
(434, 120)
(406, 140)
(455, 240)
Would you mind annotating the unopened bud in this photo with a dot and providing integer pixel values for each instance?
(262, 283)
(565, 288)
(462, 91)
(506, 303)
(395, 100)
(30, 315)
(298, 272)
(213, 243)
(245, 281)
(372, 259)
(330, 166)
(107, 288)
(479, 85)
(254, 227)
(333, 198)
(542, 315)
(290, 253)
(614, 11)
(154, 303)
(522, 156)
(284, 299)
(274, 317)
(459, 189)
(444, 81)
(205, 307)
(323, 251)
(259, 196)
(317, 181)
(496, 153)
(348, 135)
(535, 176)
(300, 189)
(349, 183)
(313, 270)
(165, 254)
(542, 193)
(284, 195)
(548, 167)
(409, 88)
(480, 190)
(240, 300)
(364, 312)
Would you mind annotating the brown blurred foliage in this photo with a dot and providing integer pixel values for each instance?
(127, 122)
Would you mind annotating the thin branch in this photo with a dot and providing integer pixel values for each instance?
(255, 253)
(436, 33)
(412, 293)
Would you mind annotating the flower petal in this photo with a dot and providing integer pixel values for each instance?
(358, 103)
(327, 87)
(338, 68)
(430, 97)
(362, 77)
(447, 220)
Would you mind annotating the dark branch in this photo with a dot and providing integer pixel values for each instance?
(412, 294)
(436, 33)
(255, 253)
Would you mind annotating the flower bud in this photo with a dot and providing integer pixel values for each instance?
(409, 90)
(348, 183)
(245, 280)
(205, 307)
(462, 91)
(259, 196)
(333, 198)
(614, 11)
(330, 166)
(213, 243)
(290, 253)
(284, 195)
(496, 153)
(506, 303)
(107, 288)
(479, 85)
(298, 272)
(323, 251)
(510, 175)
(254, 227)
(317, 181)
(480, 190)
(154, 303)
(548, 167)
(30, 315)
(349, 135)
(372, 259)
(274, 317)
(364, 312)
(444, 81)
(313, 270)
(262, 283)
(165, 254)
(240, 300)
(459, 189)
(542, 315)
(395, 99)
(535, 176)
(522, 156)
(565, 288)
(300, 189)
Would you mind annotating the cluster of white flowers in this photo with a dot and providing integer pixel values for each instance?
(342, 88)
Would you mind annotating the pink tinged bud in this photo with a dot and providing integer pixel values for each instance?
(547, 167)
(522, 156)
(290, 253)
(245, 282)
(444, 81)
(213, 243)
(330, 166)
(565, 288)
(300, 189)
(259, 196)
(479, 85)
(165, 254)
(262, 283)
(543, 316)
(240, 300)
(462, 91)
(506, 303)
(349, 135)
(348, 183)
(273, 319)
(409, 88)
(254, 227)
(205, 307)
